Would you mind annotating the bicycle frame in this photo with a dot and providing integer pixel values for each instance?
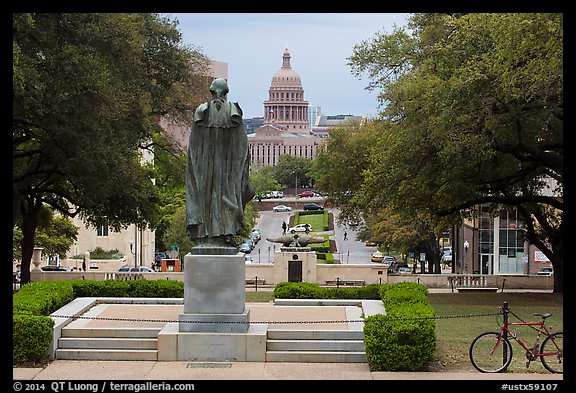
(548, 346)
(533, 352)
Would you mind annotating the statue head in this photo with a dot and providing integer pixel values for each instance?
(219, 88)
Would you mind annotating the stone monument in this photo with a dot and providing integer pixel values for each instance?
(215, 323)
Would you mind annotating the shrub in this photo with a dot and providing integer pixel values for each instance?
(43, 297)
(31, 337)
(404, 339)
(306, 290)
(298, 290)
(33, 329)
(130, 288)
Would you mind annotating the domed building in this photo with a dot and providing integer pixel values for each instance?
(285, 129)
(285, 105)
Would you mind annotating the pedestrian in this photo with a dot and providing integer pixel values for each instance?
(84, 264)
(284, 227)
(345, 235)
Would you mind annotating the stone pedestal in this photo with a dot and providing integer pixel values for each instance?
(214, 294)
(215, 322)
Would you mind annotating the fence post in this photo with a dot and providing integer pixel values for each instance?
(337, 282)
(256, 283)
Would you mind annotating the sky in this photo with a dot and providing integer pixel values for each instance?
(252, 44)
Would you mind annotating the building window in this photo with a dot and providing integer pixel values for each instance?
(102, 229)
(511, 256)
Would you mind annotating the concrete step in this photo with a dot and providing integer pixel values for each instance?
(110, 332)
(316, 356)
(106, 354)
(301, 334)
(316, 345)
(108, 342)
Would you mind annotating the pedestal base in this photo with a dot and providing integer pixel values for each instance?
(175, 345)
(220, 323)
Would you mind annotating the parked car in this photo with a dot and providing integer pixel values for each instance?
(377, 256)
(546, 271)
(389, 260)
(313, 206)
(306, 194)
(300, 228)
(404, 270)
(133, 269)
(281, 208)
(447, 256)
(275, 194)
(245, 247)
(256, 235)
(54, 268)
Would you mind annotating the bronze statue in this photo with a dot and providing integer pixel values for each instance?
(217, 186)
(296, 240)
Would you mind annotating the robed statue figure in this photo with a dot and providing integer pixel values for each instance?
(217, 165)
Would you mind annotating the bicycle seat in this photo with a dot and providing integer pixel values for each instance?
(544, 315)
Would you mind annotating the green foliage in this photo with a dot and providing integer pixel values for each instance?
(33, 329)
(90, 91)
(290, 169)
(128, 288)
(42, 297)
(317, 218)
(31, 338)
(263, 181)
(480, 96)
(306, 290)
(404, 338)
(100, 253)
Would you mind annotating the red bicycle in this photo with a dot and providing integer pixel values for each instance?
(491, 352)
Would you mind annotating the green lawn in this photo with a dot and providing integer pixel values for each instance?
(315, 220)
(454, 335)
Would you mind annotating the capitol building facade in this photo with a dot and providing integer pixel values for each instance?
(285, 129)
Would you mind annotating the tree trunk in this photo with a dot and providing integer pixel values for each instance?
(30, 209)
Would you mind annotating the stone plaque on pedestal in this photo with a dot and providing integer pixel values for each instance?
(214, 294)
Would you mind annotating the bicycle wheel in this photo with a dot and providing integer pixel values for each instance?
(552, 353)
(488, 355)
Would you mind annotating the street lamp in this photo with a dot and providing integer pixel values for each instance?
(131, 242)
(296, 184)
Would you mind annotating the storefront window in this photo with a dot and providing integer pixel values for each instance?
(511, 245)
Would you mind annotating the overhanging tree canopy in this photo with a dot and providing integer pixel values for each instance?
(475, 110)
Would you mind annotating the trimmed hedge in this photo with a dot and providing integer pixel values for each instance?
(31, 338)
(129, 288)
(31, 305)
(405, 338)
(307, 290)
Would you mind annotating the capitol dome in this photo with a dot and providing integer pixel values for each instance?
(286, 76)
(286, 106)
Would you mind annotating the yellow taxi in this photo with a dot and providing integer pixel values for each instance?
(371, 243)
(377, 256)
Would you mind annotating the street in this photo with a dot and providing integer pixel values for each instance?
(270, 224)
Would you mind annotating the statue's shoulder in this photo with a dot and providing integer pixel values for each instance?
(200, 111)
(235, 109)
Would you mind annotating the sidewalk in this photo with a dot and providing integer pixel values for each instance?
(142, 371)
